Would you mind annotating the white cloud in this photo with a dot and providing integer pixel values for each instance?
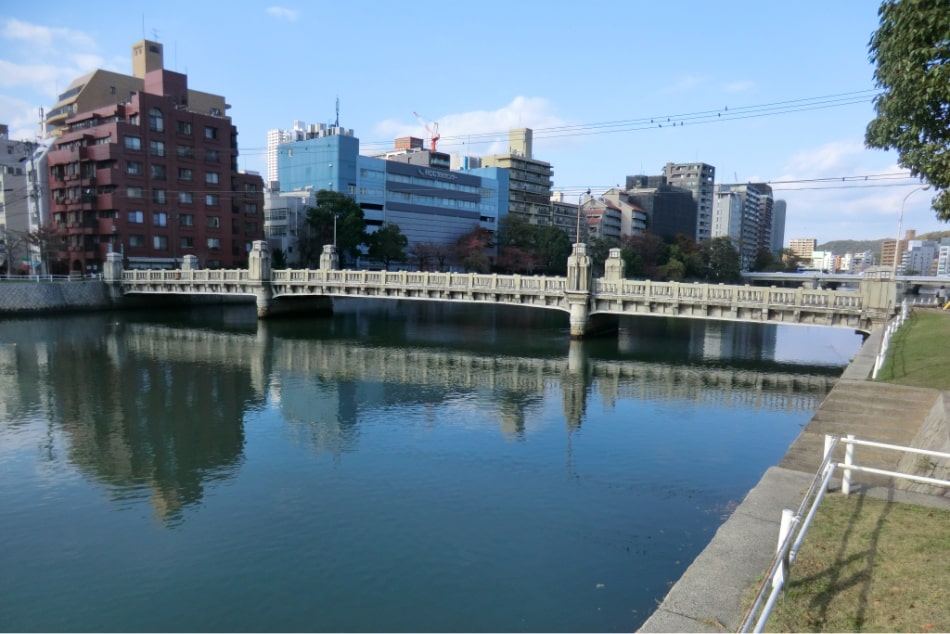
(44, 37)
(484, 132)
(739, 86)
(282, 12)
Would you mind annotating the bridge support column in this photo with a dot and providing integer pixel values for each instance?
(577, 290)
(615, 269)
(112, 275)
(329, 260)
(878, 298)
(189, 263)
(258, 273)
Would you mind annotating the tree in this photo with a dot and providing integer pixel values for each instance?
(652, 250)
(910, 51)
(721, 260)
(422, 253)
(278, 259)
(336, 216)
(387, 245)
(527, 248)
(471, 249)
(599, 250)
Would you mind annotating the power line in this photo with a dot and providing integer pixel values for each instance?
(667, 120)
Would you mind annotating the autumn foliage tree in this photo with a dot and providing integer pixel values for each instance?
(472, 250)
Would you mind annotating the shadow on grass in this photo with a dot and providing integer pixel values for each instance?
(836, 579)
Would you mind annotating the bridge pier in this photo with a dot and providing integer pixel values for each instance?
(258, 273)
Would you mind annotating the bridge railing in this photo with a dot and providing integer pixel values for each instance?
(201, 275)
(647, 290)
(422, 280)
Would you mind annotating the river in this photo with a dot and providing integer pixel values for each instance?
(393, 467)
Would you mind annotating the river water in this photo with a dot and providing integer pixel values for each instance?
(394, 467)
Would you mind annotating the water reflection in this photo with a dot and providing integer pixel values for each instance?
(157, 409)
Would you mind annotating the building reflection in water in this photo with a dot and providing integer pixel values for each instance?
(157, 411)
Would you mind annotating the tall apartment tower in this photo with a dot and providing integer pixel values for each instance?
(155, 179)
(101, 88)
(756, 224)
(700, 180)
(530, 180)
(778, 226)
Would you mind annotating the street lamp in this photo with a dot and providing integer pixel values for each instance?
(580, 202)
(900, 220)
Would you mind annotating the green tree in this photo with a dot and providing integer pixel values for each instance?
(335, 215)
(651, 249)
(721, 260)
(278, 259)
(387, 245)
(912, 57)
(599, 250)
(765, 261)
(529, 248)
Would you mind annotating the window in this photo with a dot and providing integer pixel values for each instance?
(135, 192)
(133, 143)
(214, 243)
(211, 200)
(212, 178)
(250, 208)
(184, 127)
(252, 188)
(136, 241)
(186, 220)
(160, 219)
(157, 172)
(158, 196)
(211, 132)
(134, 119)
(185, 151)
(185, 198)
(156, 148)
(214, 222)
(136, 217)
(250, 227)
(187, 242)
(160, 243)
(184, 174)
(133, 167)
(211, 156)
(155, 121)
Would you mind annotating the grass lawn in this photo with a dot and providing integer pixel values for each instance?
(919, 352)
(870, 565)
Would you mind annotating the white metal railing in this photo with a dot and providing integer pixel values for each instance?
(896, 322)
(793, 526)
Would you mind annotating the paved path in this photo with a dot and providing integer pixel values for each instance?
(708, 597)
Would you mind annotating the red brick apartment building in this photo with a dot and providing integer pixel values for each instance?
(152, 179)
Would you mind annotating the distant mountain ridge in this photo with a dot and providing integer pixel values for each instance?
(840, 247)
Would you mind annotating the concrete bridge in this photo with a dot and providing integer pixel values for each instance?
(593, 304)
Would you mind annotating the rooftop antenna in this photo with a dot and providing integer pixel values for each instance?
(336, 124)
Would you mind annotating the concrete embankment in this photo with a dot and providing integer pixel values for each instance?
(709, 595)
(31, 297)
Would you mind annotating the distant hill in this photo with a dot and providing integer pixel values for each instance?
(840, 247)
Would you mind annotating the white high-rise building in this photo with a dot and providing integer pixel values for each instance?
(274, 138)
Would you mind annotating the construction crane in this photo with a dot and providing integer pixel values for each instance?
(433, 130)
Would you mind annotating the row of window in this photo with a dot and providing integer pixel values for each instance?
(158, 172)
(160, 243)
(157, 148)
(160, 219)
(156, 123)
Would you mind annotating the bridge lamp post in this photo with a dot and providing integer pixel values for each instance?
(580, 202)
(900, 220)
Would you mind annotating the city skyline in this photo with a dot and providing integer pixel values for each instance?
(738, 88)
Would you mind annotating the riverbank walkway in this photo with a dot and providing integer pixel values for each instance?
(709, 595)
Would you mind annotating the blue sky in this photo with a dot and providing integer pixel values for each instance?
(748, 80)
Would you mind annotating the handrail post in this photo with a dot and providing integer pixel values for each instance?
(848, 461)
(788, 515)
(829, 443)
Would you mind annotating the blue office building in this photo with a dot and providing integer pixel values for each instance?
(430, 205)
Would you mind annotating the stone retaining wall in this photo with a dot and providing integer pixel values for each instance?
(35, 297)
